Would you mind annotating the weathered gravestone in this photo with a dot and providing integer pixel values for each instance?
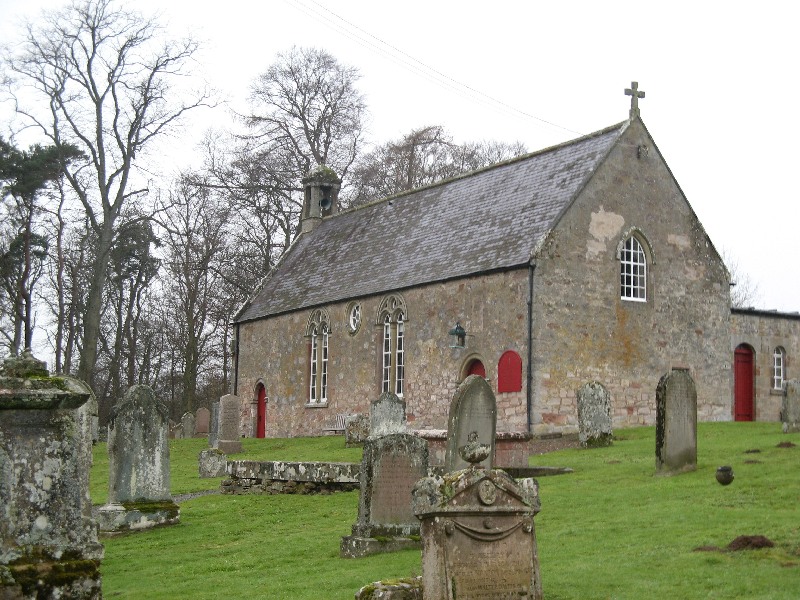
(213, 426)
(356, 431)
(202, 420)
(229, 441)
(676, 423)
(48, 539)
(473, 410)
(478, 535)
(392, 462)
(138, 464)
(594, 416)
(187, 425)
(211, 463)
(790, 407)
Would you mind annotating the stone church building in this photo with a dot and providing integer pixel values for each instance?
(580, 262)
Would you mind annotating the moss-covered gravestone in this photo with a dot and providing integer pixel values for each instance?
(594, 416)
(48, 540)
(138, 464)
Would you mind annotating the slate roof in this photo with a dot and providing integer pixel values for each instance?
(488, 220)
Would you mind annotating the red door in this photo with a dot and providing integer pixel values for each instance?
(476, 368)
(743, 384)
(261, 413)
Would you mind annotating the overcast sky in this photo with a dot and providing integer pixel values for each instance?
(721, 84)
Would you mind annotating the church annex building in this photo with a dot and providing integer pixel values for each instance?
(581, 262)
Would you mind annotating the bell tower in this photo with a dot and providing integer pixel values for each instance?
(321, 197)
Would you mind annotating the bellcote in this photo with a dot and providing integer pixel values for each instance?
(321, 196)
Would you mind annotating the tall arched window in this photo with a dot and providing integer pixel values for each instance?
(633, 271)
(392, 318)
(317, 333)
(778, 368)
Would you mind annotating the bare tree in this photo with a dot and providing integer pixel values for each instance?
(744, 291)
(102, 78)
(419, 158)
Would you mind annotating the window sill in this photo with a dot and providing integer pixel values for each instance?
(316, 404)
(774, 392)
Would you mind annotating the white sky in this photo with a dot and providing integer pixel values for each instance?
(720, 79)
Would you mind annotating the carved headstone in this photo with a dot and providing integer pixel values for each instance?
(138, 464)
(48, 539)
(390, 466)
(472, 410)
(213, 426)
(356, 431)
(676, 423)
(594, 416)
(211, 463)
(790, 407)
(202, 421)
(229, 440)
(478, 536)
(187, 425)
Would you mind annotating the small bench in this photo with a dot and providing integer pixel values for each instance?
(338, 427)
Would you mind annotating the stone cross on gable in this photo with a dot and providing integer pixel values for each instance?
(635, 94)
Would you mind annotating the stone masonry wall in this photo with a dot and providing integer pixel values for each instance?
(492, 308)
(585, 332)
(763, 332)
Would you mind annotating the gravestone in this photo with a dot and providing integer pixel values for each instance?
(213, 426)
(392, 462)
(48, 539)
(202, 420)
(211, 463)
(594, 416)
(478, 535)
(356, 431)
(472, 410)
(229, 441)
(790, 407)
(187, 425)
(676, 423)
(175, 430)
(138, 464)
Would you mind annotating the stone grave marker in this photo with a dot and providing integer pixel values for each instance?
(790, 407)
(213, 426)
(478, 535)
(229, 440)
(356, 431)
(138, 464)
(46, 524)
(472, 410)
(594, 416)
(392, 462)
(187, 425)
(676, 423)
(202, 421)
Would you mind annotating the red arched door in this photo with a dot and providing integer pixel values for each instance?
(476, 368)
(261, 412)
(743, 383)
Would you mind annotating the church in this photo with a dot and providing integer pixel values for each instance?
(577, 263)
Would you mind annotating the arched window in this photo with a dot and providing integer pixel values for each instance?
(509, 372)
(317, 332)
(633, 271)
(778, 368)
(392, 317)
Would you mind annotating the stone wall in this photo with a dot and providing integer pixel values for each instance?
(584, 332)
(763, 331)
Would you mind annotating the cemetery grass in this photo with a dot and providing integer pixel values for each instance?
(611, 529)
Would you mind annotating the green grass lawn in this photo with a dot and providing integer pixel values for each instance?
(611, 529)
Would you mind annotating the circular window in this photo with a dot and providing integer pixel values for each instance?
(354, 317)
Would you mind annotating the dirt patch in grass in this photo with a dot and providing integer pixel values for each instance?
(752, 451)
(750, 542)
(752, 462)
(786, 445)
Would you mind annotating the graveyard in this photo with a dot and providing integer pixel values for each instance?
(611, 529)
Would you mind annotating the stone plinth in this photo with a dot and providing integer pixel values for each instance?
(49, 546)
(478, 536)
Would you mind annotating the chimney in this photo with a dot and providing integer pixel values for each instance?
(321, 188)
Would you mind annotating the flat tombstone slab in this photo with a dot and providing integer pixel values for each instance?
(202, 421)
(138, 448)
(676, 422)
(594, 416)
(473, 409)
(790, 407)
(387, 415)
(229, 417)
(187, 425)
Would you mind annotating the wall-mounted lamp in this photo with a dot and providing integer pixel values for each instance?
(459, 336)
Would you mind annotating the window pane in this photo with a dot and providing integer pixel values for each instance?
(312, 386)
(633, 271)
(400, 359)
